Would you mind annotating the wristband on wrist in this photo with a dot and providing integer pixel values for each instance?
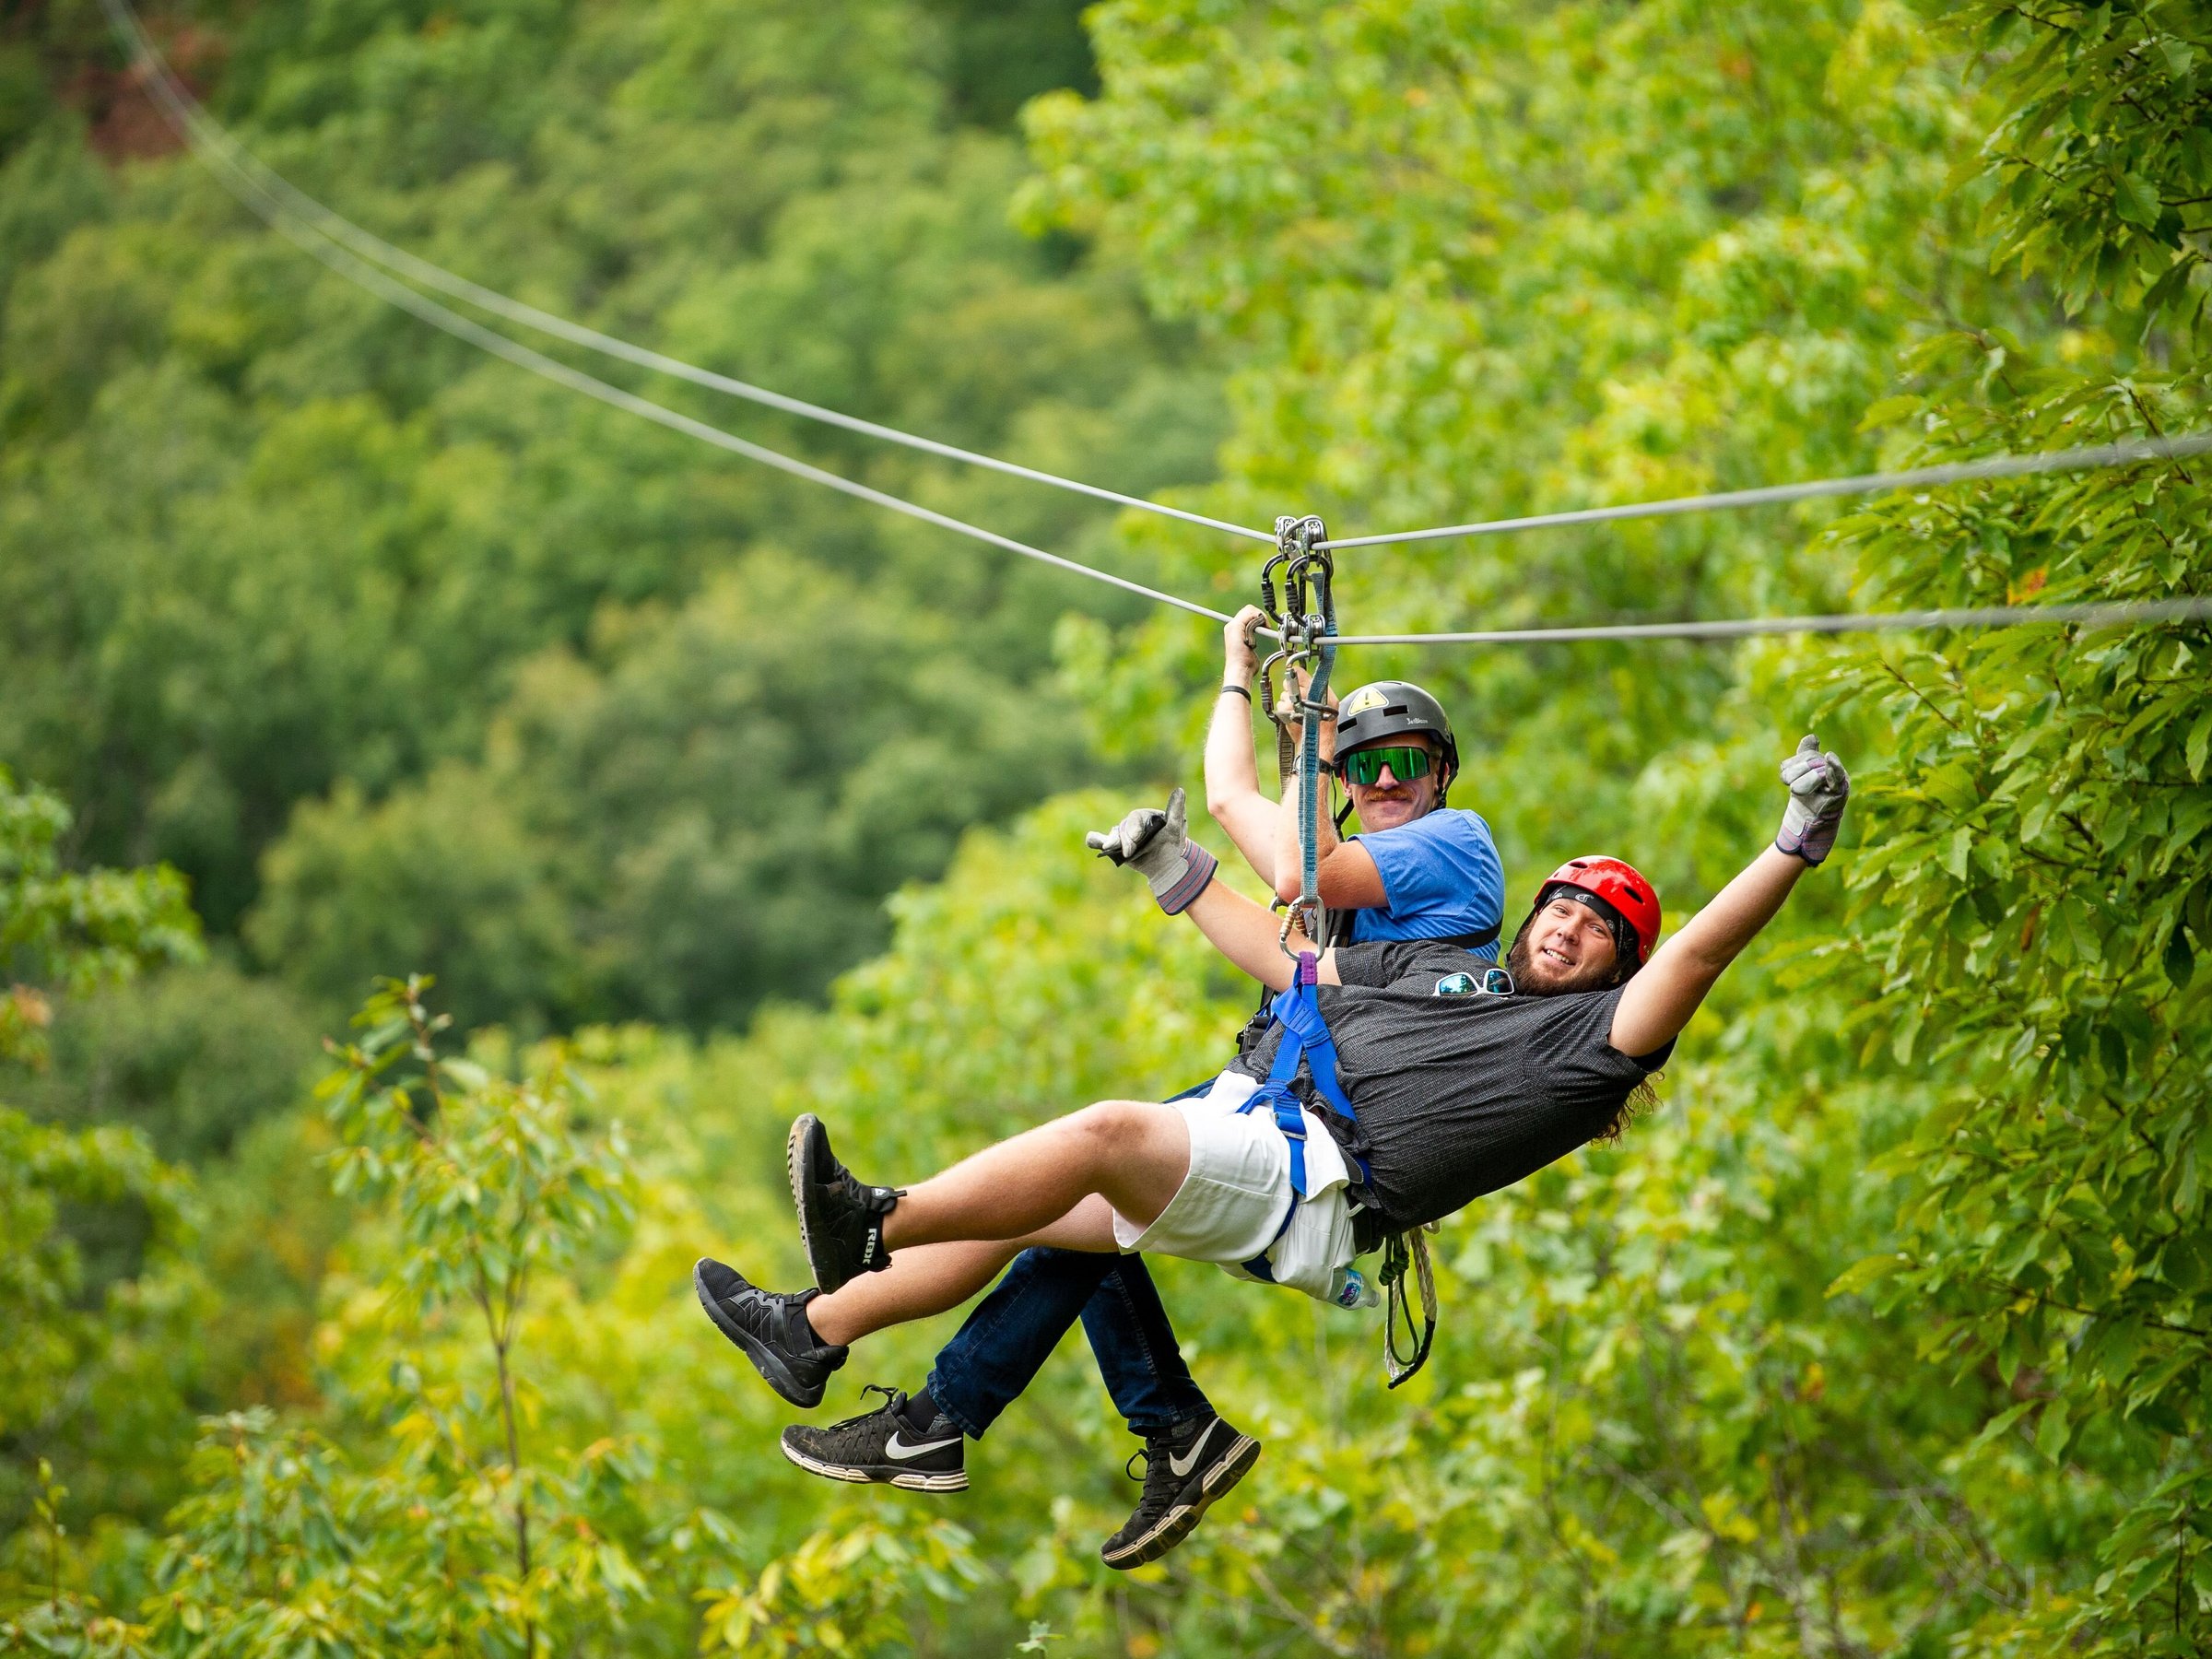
(1197, 874)
(1242, 691)
(1808, 844)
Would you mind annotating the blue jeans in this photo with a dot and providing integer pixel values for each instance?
(1012, 1331)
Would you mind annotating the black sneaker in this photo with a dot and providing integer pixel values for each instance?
(841, 1221)
(772, 1329)
(1184, 1474)
(881, 1446)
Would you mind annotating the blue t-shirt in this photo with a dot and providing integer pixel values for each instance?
(1442, 877)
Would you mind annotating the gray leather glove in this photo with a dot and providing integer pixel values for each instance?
(1818, 787)
(1157, 845)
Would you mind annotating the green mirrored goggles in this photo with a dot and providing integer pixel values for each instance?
(1405, 761)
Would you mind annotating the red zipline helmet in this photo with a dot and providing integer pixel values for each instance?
(1620, 885)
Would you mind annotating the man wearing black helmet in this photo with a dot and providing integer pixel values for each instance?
(1413, 873)
(1419, 869)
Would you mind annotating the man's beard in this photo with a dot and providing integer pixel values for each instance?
(1587, 975)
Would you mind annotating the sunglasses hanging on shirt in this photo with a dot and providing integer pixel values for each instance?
(1491, 981)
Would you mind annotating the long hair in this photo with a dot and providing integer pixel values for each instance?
(1643, 1098)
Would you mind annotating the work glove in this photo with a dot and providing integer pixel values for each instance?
(1157, 845)
(1818, 787)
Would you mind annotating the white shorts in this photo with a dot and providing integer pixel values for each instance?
(1231, 1206)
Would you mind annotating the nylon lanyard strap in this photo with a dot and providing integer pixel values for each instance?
(1309, 629)
(1309, 780)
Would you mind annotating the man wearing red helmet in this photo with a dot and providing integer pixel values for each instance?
(1418, 869)
(1457, 1084)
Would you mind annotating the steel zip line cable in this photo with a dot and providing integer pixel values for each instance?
(269, 199)
(2103, 614)
(1996, 467)
(205, 134)
(267, 207)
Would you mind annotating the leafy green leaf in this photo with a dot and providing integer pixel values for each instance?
(2136, 199)
(1865, 1271)
(2054, 1431)
(2199, 743)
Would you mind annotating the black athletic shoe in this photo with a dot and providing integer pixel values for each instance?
(841, 1221)
(772, 1329)
(882, 1446)
(1183, 1474)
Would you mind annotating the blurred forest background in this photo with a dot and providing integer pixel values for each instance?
(330, 650)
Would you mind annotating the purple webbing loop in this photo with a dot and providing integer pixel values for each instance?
(1309, 968)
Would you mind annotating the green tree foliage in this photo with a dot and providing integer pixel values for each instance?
(92, 1378)
(271, 551)
(471, 1487)
(683, 821)
(1886, 1335)
(491, 1192)
(63, 930)
(2021, 943)
(97, 1293)
(1002, 53)
(2034, 922)
(2103, 155)
(194, 1057)
(1484, 261)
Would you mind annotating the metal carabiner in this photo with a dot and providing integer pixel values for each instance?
(1267, 600)
(1308, 573)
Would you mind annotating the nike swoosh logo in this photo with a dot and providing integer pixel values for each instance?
(896, 1447)
(1182, 1465)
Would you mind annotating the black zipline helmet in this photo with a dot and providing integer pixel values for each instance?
(1390, 709)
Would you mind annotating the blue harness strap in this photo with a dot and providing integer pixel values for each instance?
(1306, 1042)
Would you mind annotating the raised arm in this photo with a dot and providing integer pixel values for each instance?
(1265, 832)
(1345, 871)
(1233, 776)
(1669, 989)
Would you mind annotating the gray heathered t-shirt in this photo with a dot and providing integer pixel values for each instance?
(1460, 1095)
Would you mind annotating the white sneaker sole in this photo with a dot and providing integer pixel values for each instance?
(1179, 1523)
(913, 1480)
